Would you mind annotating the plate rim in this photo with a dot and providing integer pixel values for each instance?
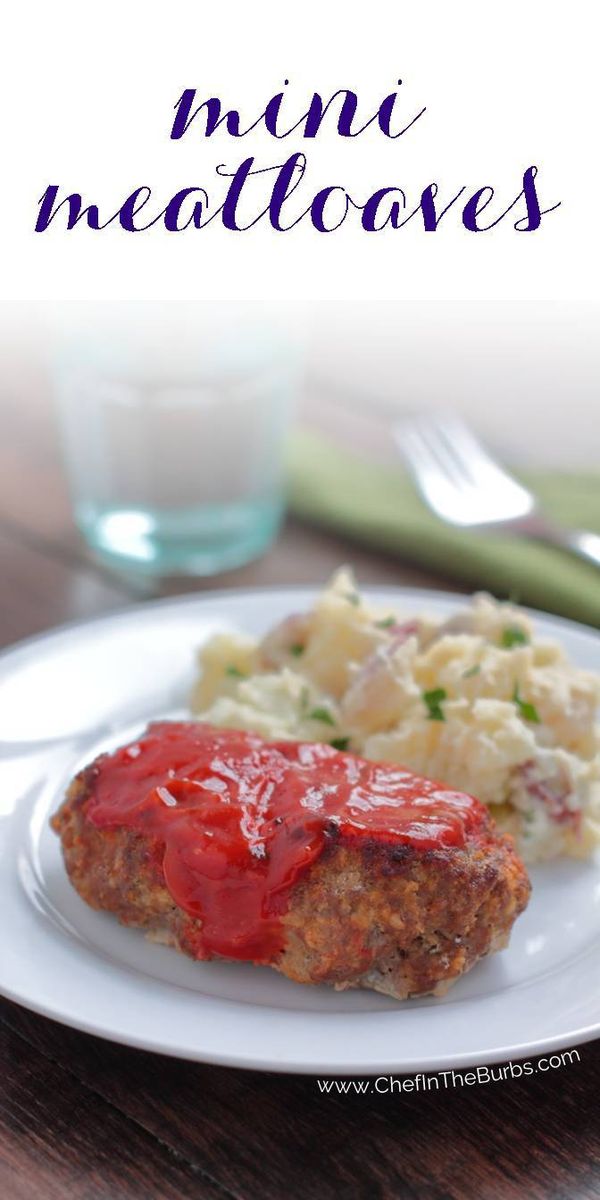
(183, 599)
(320, 1069)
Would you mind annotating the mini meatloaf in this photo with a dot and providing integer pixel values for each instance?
(325, 866)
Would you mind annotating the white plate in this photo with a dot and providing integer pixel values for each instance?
(66, 695)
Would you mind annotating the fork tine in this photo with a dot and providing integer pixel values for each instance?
(442, 492)
(456, 476)
(453, 464)
(468, 451)
(459, 451)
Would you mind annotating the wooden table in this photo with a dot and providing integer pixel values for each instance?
(83, 1119)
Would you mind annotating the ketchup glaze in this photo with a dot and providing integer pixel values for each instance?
(236, 820)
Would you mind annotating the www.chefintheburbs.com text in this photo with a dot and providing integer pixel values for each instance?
(389, 1084)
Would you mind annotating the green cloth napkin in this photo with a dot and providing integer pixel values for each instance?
(378, 505)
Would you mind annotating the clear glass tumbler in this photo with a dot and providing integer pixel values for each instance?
(174, 453)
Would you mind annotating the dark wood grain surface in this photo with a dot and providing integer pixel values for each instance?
(84, 1119)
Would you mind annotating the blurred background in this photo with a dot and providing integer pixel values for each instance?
(142, 459)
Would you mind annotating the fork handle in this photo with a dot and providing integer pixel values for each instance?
(579, 541)
(586, 545)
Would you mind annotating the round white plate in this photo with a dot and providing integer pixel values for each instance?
(67, 695)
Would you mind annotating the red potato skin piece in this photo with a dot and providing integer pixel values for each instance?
(368, 913)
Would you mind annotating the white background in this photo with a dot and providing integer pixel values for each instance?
(499, 323)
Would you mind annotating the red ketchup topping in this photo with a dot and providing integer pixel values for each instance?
(237, 820)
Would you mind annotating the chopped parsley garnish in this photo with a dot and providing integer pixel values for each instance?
(528, 711)
(321, 714)
(474, 670)
(513, 636)
(433, 701)
(385, 623)
(352, 598)
(297, 649)
(235, 672)
(341, 743)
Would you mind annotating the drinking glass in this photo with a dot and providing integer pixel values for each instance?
(174, 448)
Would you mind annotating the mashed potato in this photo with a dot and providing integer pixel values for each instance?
(476, 701)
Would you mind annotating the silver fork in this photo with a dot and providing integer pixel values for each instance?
(464, 485)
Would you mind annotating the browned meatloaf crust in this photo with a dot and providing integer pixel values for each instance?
(367, 913)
